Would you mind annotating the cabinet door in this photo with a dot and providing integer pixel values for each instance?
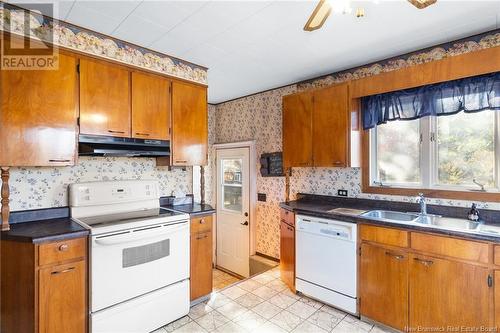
(62, 301)
(201, 264)
(150, 107)
(38, 116)
(331, 127)
(104, 99)
(297, 130)
(189, 124)
(445, 292)
(287, 255)
(383, 285)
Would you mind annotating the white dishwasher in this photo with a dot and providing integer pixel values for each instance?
(326, 261)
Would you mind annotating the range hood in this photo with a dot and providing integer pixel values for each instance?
(94, 145)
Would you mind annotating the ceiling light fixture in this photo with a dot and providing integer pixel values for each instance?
(421, 4)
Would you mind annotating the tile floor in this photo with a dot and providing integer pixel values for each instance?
(264, 304)
(222, 279)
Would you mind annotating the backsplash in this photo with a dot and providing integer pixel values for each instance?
(46, 187)
(258, 117)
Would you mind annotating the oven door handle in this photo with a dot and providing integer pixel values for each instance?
(138, 235)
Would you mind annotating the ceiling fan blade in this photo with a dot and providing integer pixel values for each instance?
(318, 16)
(421, 4)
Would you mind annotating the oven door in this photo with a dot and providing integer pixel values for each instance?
(131, 263)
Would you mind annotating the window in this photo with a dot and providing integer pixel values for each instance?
(452, 152)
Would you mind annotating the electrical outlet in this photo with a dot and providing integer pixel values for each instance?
(342, 193)
(261, 197)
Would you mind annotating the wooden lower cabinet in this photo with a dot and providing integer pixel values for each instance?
(43, 292)
(435, 289)
(287, 250)
(62, 297)
(384, 287)
(447, 293)
(201, 256)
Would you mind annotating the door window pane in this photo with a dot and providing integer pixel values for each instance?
(232, 184)
(398, 152)
(466, 149)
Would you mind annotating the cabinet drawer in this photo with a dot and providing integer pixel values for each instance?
(287, 217)
(61, 251)
(451, 247)
(388, 236)
(201, 224)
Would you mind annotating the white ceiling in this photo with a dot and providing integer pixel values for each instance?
(251, 46)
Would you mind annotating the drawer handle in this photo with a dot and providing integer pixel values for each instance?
(63, 271)
(118, 132)
(59, 161)
(202, 221)
(143, 134)
(395, 256)
(201, 237)
(64, 247)
(426, 263)
(337, 162)
(180, 161)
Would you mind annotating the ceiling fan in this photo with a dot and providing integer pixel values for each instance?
(324, 8)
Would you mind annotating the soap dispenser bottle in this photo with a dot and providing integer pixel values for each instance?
(473, 213)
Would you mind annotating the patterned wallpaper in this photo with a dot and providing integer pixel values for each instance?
(258, 117)
(45, 187)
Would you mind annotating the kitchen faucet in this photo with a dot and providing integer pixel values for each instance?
(423, 204)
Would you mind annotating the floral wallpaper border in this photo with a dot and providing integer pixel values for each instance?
(466, 45)
(66, 35)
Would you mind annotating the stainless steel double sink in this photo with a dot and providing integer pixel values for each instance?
(435, 221)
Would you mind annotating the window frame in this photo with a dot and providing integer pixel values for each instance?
(428, 168)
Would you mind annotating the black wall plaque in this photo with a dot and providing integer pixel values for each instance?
(271, 165)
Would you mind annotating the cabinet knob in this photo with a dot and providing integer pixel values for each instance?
(202, 221)
(63, 247)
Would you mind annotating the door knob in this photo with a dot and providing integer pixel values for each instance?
(246, 223)
(246, 214)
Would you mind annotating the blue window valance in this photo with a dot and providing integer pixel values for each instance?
(471, 94)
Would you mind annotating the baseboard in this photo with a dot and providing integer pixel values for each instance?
(268, 257)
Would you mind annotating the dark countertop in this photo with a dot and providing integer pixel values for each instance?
(194, 209)
(49, 230)
(319, 207)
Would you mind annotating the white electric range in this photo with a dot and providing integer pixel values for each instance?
(139, 255)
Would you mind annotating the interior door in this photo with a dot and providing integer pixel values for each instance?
(233, 204)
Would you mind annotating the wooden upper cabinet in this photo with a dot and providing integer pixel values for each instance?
(104, 99)
(331, 127)
(383, 285)
(38, 116)
(448, 293)
(150, 107)
(297, 130)
(189, 124)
